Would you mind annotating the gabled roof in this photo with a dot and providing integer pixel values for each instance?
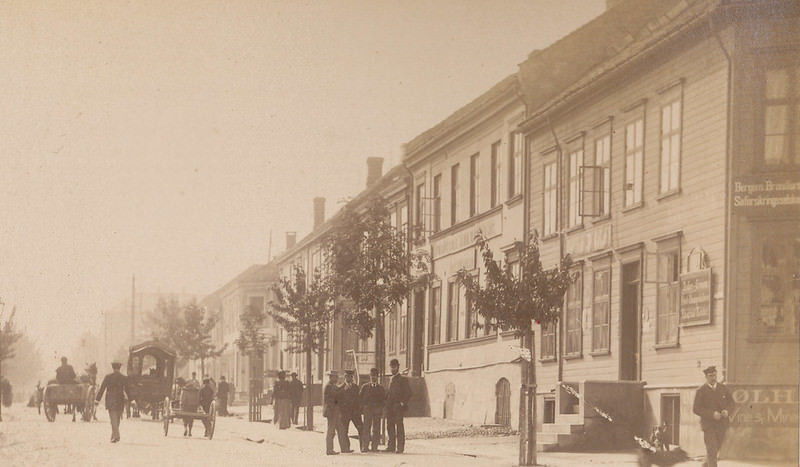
(152, 344)
(550, 76)
(507, 86)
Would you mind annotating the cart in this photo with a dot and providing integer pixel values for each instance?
(151, 371)
(188, 406)
(80, 396)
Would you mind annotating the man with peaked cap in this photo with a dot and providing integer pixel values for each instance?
(713, 402)
(397, 397)
(371, 398)
(330, 410)
(117, 386)
(349, 410)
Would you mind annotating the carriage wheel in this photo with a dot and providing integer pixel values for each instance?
(212, 419)
(165, 414)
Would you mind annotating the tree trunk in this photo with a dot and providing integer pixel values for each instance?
(202, 367)
(527, 406)
(309, 402)
(380, 344)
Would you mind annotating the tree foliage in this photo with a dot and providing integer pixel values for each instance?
(9, 335)
(514, 300)
(303, 308)
(25, 368)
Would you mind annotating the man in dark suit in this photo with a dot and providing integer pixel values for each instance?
(712, 402)
(117, 386)
(222, 396)
(65, 374)
(295, 395)
(349, 410)
(397, 397)
(371, 398)
(330, 410)
(206, 397)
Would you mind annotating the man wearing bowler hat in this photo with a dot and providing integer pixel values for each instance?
(712, 402)
(371, 398)
(117, 386)
(295, 395)
(348, 407)
(397, 397)
(330, 410)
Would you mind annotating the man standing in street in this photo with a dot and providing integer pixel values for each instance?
(712, 402)
(397, 397)
(296, 396)
(349, 409)
(330, 410)
(117, 386)
(206, 397)
(371, 398)
(222, 396)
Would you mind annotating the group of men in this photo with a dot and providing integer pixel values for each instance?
(346, 403)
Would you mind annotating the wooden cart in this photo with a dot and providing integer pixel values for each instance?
(79, 396)
(188, 406)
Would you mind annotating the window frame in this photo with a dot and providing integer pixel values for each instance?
(419, 212)
(670, 96)
(668, 282)
(435, 315)
(548, 342)
(776, 61)
(637, 154)
(454, 194)
(515, 154)
(550, 198)
(574, 309)
(496, 164)
(605, 164)
(437, 203)
(574, 160)
(474, 184)
(451, 333)
(601, 328)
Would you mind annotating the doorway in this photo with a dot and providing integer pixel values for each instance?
(630, 321)
(502, 412)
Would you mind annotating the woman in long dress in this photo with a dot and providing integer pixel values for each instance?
(282, 402)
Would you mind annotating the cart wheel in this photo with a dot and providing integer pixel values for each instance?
(165, 414)
(212, 419)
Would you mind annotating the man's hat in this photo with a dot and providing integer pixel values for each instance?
(333, 373)
(348, 372)
(394, 362)
(709, 370)
(373, 371)
(222, 378)
(116, 364)
(294, 373)
(63, 359)
(206, 379)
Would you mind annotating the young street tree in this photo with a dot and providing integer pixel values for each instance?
(515, 301)
(304, 308)
(370, 267)
(8, 337)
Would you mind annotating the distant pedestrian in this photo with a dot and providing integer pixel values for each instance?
(712, 402)
(117, 386)
(371, 399)
(281, 401)
(349, 410)
(222, 396)
(397, 397)
(330, 410)
(295, 395)
(206, 397)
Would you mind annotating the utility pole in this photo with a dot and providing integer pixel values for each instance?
(133, 309)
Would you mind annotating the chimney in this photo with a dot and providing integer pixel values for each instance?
(374, 169)
(319, 211)
(291, 239)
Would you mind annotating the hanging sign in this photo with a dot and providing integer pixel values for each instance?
(695, 295)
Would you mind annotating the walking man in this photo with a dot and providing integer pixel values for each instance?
(222, 396)
(296, 396)
(371, 398)
(330, 410)
(349, 409)
(712, 401)
(117, 386)
(397, 397)
(206, 397)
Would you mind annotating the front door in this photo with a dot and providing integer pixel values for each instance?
(417, 349)
(629, 321)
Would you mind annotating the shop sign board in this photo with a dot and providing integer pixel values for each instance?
(695, 293)
(767, 194)
(764, 405)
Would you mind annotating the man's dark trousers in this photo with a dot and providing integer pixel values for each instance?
(713, 437)
(335, 428)
(355, 417)
(396, 429)
(115, 415)
(371, 430)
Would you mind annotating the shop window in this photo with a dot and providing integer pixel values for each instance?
(781, 113)
(601, 310)
(777, 278)
(574, 308)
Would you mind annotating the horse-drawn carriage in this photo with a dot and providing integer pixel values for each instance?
(78, 397)
(151, 372)
(187, 406)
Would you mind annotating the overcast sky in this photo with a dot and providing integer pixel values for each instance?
(166, 139)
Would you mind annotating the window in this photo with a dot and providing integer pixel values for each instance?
(419, 212)
(403, 327)
(515, 164)
(495, 195)
(452, 311)
(474, 185)
(470, 323)
(573, 317)
(781, 114)
(550, 193)
(634, 158)
(435, 320)
(437, 202)
(601, 307)
(454, 189)
(602, 158)
(668, 299)
(391, 335)
(575, 162)
(776, 251)
(670, 147)
(671, 417)
(548, 343)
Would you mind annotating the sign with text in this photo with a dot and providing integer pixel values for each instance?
(589, 241)
(767, 194)
(761, 405)
(695, 297)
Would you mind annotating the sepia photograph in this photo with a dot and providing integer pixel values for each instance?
(433, 233)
